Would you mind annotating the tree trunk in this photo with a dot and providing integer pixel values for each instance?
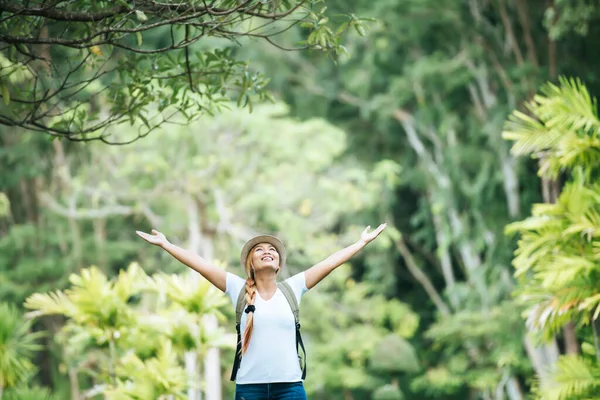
(513, 389)
(523, 13)
(443, 243)
(542, 357)
(74, 381)
(100, 241)
(511, 183)
(212, 360)
(551, 47)
(191, 368)
(551, 192)
(63, 180)
(191, 357)
(422, 278)
(596, 340)
(201, 242)
(571, 343)
(443, 183)
(511, 37)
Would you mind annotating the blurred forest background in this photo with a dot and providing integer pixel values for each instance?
(470, 126)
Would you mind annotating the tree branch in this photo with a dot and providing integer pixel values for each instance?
(418, 274)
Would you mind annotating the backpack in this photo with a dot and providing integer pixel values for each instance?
(287, 291)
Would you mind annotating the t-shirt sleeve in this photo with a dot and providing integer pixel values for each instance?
(298, 284)
(233, 285)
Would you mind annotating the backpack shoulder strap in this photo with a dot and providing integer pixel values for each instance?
(287, 291)
(239, 307)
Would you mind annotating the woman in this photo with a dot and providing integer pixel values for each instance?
(269, 367)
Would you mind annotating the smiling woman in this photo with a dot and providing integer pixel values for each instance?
(266, 366)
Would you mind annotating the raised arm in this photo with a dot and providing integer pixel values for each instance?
(317, 272)
(213, 274)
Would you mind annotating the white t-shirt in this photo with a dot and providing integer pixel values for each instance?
(272, 356)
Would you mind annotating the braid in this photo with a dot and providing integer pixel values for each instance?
(250, 297)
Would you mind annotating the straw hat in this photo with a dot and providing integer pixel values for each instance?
(263, 239)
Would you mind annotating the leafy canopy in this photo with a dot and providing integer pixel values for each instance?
(72, 68)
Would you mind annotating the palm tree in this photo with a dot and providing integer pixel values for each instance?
(17, 347)
(98, 314)
(558, 256)
(134, 351)
(191, 302)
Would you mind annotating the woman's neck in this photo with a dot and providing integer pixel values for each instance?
(266, 284)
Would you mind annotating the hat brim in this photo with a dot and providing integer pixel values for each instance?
(278, 244)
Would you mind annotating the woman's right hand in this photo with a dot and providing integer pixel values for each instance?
(156, 238)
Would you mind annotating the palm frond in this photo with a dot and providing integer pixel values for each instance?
(52, 303)
(572, 377)
(568, 106)
(196, 296)
(130, 282)
(30, 393)
(159, 376)
(529, 134)
(562, 128)
(17, 346)
(562, 270)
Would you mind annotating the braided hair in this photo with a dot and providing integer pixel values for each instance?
(250, 297)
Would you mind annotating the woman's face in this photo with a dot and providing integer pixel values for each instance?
(265, 256)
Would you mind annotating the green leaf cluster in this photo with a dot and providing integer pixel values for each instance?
(18, 345)
(558, 254)
(129, 334)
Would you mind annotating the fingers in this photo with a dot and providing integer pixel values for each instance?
(155, 231)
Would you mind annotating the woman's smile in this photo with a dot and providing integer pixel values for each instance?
(265, 255)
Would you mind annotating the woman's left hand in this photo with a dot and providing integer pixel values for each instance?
(366, 236)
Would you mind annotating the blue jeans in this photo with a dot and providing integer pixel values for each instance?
(270, 391)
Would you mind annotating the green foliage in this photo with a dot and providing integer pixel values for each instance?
(388, 392)
(130, 333)
(558, 252)
(93, 302)
(454, 72)
(29, 393)
(559, 247)
(394, 355)
(426, 91)
(563, 130)
(567, 16)
(70, 70)
(154, 378)
(4, 205)
(355, 323)
(439, 381)
(18, 345)
(478, 348)
(573, 377)
(247, 172)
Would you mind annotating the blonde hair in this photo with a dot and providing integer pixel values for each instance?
(250, 298)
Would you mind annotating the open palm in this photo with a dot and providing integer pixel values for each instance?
(367, 235)
(156, 238)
